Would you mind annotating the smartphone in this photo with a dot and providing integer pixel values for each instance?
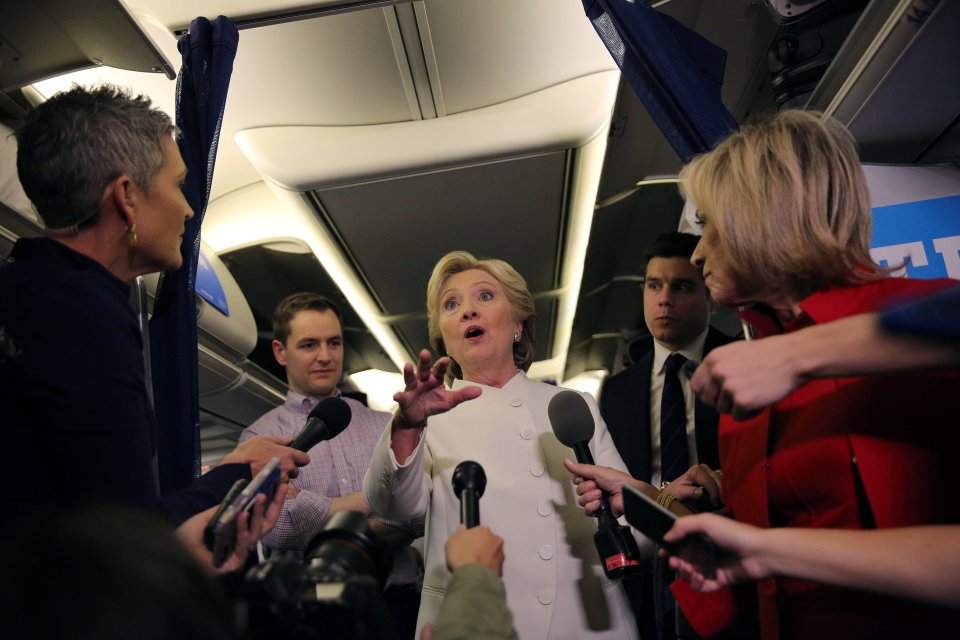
(209, 530)
(224, 524)
(653, 521)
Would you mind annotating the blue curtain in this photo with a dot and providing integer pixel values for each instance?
(208, 51)
(676, 73)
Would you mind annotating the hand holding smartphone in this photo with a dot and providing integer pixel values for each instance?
(220, 535)
(653, 521)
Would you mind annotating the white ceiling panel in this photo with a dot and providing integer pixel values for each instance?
(496, 50)
(174, 13)
(511, 210)
(353, 81)
(303, 158)
(344, 73)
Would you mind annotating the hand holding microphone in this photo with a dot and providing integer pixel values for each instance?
(472, 543)
(327, 420)
(594, 482)
(573, 425)
(478, 545)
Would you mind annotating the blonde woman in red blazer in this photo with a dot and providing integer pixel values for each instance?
(787, 227)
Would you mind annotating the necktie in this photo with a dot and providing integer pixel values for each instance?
(674, 453)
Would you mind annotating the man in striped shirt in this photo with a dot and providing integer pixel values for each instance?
(308, 342)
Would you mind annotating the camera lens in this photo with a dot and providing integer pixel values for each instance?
(348, 547)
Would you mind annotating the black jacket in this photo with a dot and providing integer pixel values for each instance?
(625, 407)
(78, 425)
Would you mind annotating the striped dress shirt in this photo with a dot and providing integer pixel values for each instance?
(336, 469)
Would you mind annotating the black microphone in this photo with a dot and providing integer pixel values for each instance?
(573, 425)
(326, 421)
(469, 481)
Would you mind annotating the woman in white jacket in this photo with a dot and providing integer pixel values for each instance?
(481, 314)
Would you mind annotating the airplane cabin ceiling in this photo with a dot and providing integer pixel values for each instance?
(310, 100)
(396, 230)
(394, 63)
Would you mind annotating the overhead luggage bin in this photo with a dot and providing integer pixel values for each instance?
(894, 82)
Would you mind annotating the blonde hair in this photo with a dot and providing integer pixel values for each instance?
(789, 202)
(515, 288)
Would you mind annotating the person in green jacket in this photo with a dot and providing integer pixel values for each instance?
(475, 605)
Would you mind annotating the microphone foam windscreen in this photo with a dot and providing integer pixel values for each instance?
(334, 412)
(570, 418)
(469, 475)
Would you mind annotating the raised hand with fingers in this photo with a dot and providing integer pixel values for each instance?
(423, 396)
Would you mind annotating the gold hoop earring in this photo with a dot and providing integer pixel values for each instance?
(132, 237)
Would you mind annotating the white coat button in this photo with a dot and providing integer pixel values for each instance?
(546, 552)
(536, 470)
(526, 433)
(516, 402)
(544, 508)
(545, 596)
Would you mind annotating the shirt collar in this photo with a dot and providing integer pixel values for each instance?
(835, 303)
(693, 350)
(459, 383)
(304, 404)
(51, 250)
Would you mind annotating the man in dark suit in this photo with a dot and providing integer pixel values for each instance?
(657, 424)
(676, 310)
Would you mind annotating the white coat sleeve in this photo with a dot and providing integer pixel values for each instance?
(394, 491)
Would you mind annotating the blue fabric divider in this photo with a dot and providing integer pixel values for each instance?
(674, 71)
(208, 52)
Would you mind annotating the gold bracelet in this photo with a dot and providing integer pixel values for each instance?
(664, 499)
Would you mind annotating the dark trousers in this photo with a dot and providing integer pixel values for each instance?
(652, 621)
(403, 601)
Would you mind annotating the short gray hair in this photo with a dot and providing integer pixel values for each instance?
(74, 144)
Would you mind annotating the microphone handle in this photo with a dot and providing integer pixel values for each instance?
(583, 454)
(312, 433)
(615, 545)
(604, 515)
(469, 508)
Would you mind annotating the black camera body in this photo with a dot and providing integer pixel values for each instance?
(335, 594)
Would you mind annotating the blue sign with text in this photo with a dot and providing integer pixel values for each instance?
(923, 235)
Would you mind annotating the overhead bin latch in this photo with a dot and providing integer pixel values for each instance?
(8, 53)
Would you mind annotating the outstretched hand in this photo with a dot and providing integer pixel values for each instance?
(424, 394)
(742, 378)
(260, 450)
